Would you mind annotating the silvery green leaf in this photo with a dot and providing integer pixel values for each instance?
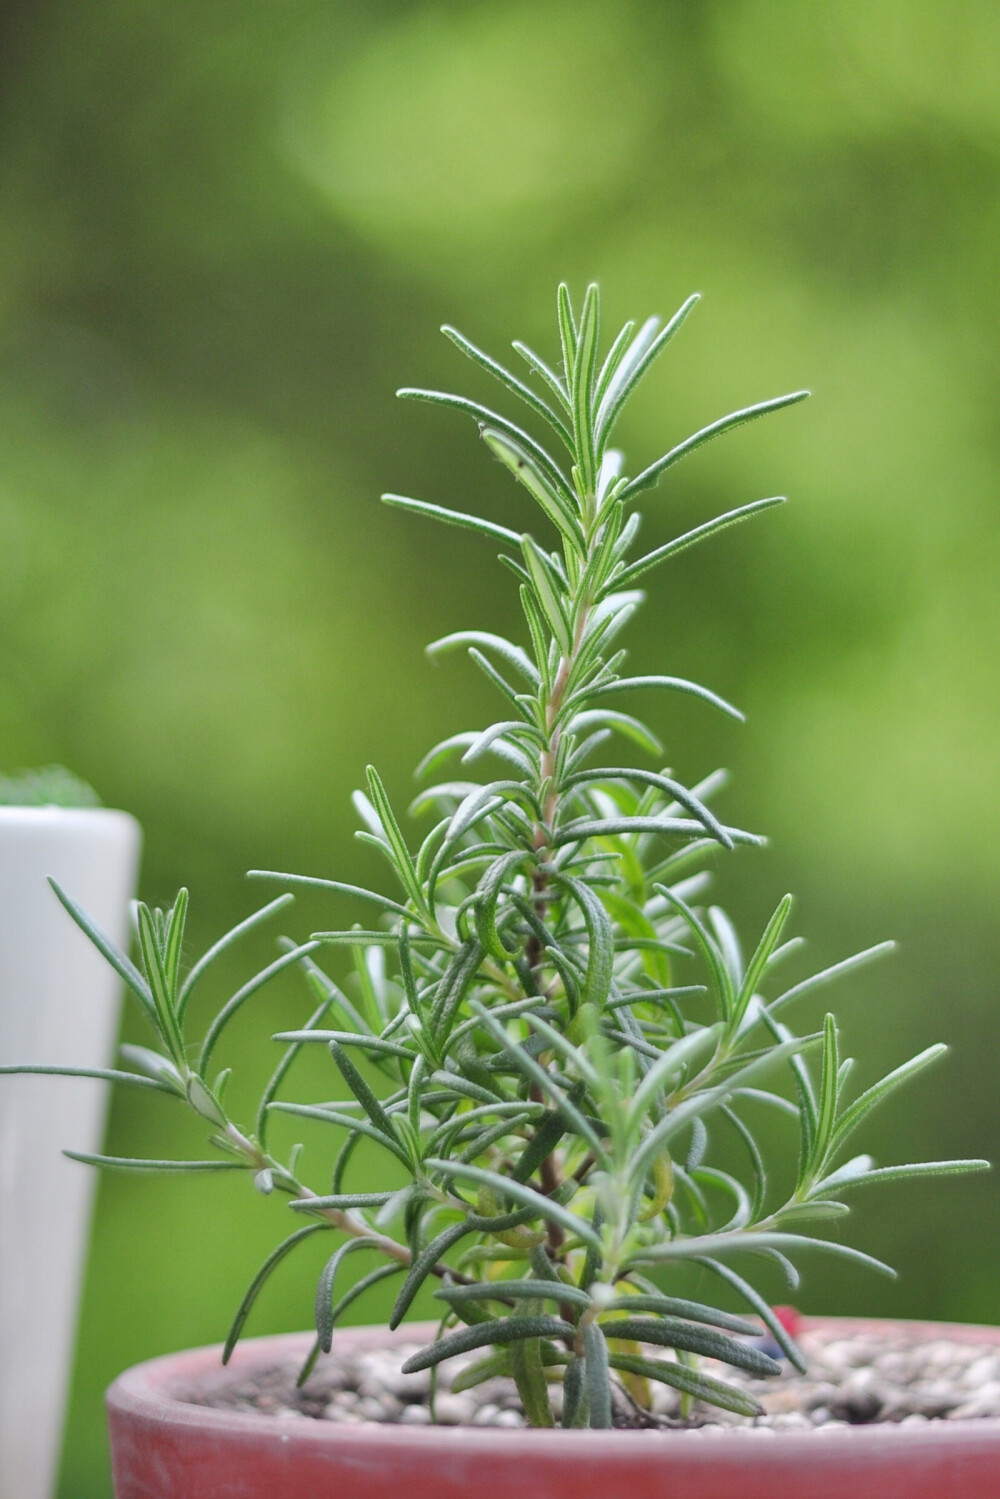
(597, 1379)
(692, 537)
(651, 475)
(263, 1274)
(499, 1331)
(249, 924)
(326, 1284)
(102, 1074)
(119, 962)
(204, 1102)
(452, 518)
(241, 996)
(512, 383)
(689, 1382)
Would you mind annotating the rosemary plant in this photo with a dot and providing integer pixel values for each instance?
(516, 1038)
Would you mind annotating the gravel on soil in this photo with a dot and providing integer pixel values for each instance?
(852, 1380)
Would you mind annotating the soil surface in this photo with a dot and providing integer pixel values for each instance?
(851, 1380)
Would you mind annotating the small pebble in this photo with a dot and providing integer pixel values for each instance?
(415, 1415)
(982, 1371)
(454, 1410)
(791, 1421)
(850, 1381)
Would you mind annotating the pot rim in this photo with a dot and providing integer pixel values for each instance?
(146, 1391)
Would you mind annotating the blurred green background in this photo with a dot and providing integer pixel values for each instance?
(230, 232)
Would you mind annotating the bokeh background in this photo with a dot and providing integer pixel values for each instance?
(229, 233)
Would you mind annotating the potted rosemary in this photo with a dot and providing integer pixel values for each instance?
(58, 1006)
(549, 1037)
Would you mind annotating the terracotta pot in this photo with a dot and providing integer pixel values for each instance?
(163, 1448)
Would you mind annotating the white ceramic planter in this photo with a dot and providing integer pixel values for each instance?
(58, 1004)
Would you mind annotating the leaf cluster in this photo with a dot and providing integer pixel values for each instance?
(544, 1028)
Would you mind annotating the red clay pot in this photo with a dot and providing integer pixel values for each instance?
(163, 1448)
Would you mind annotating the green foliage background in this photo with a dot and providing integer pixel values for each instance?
(230, 233)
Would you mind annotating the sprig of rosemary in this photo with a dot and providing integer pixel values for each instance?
(519, 1042)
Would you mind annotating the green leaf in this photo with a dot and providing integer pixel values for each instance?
(550, 1131)
(676, 684)
(827, 1094)
(600, 942)
(571, 1116)
(175, 941)
(615, 355)
(345, 1121)
(651, 475)
(489, 670)
(128, 1163)
(663, 783)
(758, 963)
(552, 380)
(163, 999)
(544, 1207)
(125, 969)
(901, 1173)
(362, 1092)
(597, 1376)
(583, 389)
(751, 1239)
(499, 1331)
(689, 1382)
(241, 996)
(753, 1298)
(516, 1290)
(485, 417)
(345, 1202)
(458, 979)
(453, 518)
(401, 854)
(678, 1306)
(677, 1058)
(575, 1412)
(546, 594)
(373, 1278)
(827, 975)
(358, 937)
(648, 345)
(338, 887)
(699, 1103)
(621, 723)
(528, 1373)
(690, 538)
(373, 1044)
(224, 944)
(567, 334)
(550, 498)
(670, 1332)
(488, 895)
(512, 383)
(325, 1287)
(271, 1263)
(423, 1265)
(104, 1074)
(853, 1116)
(512, 654)
(756, 1162)
(709, 948)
